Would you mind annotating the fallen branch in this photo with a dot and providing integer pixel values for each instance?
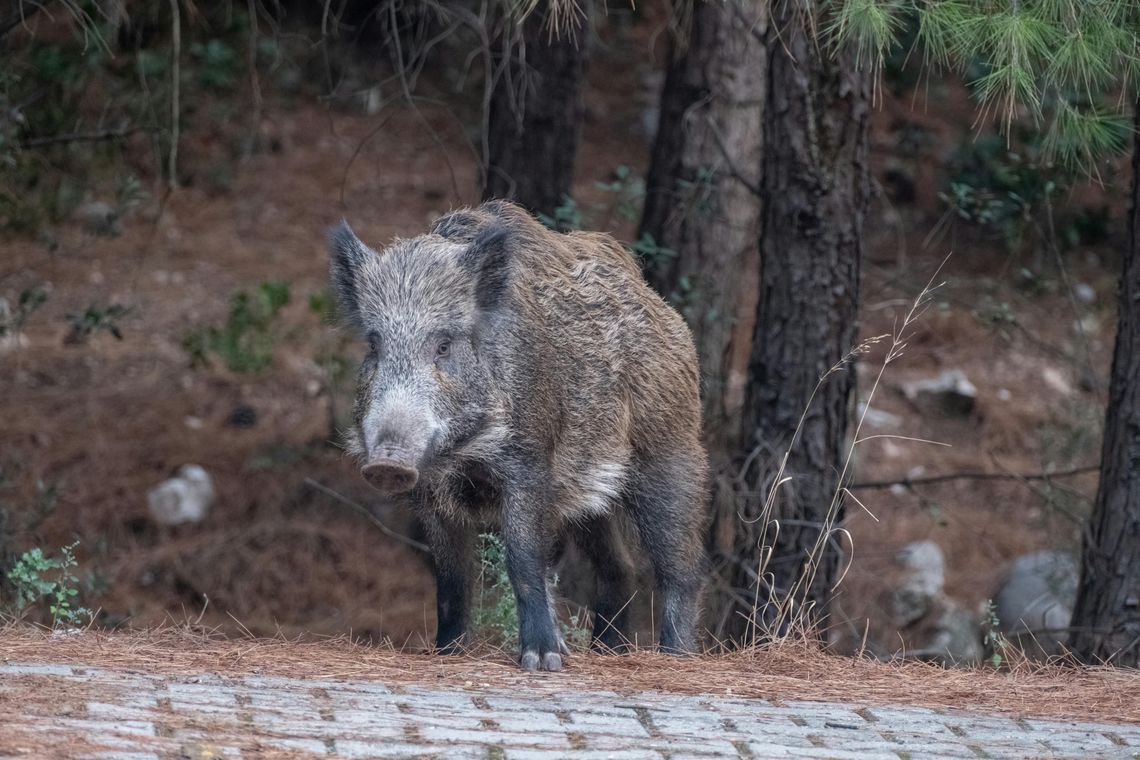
(19, 15)
(908, 482)
(371, 517)
(107, 134)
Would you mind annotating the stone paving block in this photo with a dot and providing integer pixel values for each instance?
(453, 700)
(356, 749)
(312, 746)
(500, 703)
(715, 747)
(937, 749)
(817, 753)
(274, 724)
(106, 727)
(370, 720)
(134, 712)
(274, 704)
(590, 723)
(491, 737)
(34, 669)
(545, 722)
(587, 754)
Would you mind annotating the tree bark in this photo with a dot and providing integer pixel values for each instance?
(816, 187)
(702, 200)
(1106, 618)
(536, 114)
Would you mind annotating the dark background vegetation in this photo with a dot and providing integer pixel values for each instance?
(169, 170)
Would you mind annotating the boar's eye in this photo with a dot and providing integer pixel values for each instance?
(443, 349)
(374, 342)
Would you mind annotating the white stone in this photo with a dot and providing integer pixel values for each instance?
(1034, 601)
(184, 499)
(922, 584)
(951, 392)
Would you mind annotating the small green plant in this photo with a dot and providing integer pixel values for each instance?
(36, 578)
(218, 64)
(96, 319)
(686, 297)
(577, 631)
(628, 190)
(996, 315)
(650, 254)
(994, 640)
(12, 320)
(245, 341)
(496, 617)
(567, 216)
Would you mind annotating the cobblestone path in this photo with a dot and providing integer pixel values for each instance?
(67, 711)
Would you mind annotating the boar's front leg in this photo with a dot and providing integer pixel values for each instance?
(529, 541)
(452, 558)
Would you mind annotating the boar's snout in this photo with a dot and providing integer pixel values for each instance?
(391, 474)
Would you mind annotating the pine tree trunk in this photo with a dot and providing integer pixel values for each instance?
(1106, 619)
(702, 201)
(816, 188)
(536, 115)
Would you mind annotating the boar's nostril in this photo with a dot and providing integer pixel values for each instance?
(390, 476)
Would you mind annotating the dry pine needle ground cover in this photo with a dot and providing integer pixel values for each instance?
(791, 671)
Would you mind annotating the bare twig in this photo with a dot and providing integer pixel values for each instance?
(107, 134)
(371, 517)
(175, 75)
(21, 13)
(254, 84)
(976, 476)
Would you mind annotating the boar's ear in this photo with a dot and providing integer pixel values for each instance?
(458, 226)
(346, 255)
(488, 259)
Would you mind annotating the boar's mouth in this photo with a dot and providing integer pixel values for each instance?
(390, 475)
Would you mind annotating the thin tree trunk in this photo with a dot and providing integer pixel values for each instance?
(702, 200)
(816, 187)
(536, 114)
(1106, 619)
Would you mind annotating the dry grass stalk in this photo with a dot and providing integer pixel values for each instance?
(791, 616)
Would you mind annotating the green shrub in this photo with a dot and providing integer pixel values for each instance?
(245, 341)
(36, 579)
(496, 615)
(95, 319)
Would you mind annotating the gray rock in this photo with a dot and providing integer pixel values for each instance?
(1084, 292)
(950, 393)
(183, 499)
(921, 585)
(877, 418)
(955, 637)
(1034, 602)
(99, 218)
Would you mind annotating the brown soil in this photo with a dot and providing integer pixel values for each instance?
(108, 420)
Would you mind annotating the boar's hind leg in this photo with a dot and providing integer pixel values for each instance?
(529, 544)
(452, 559)
(666, 504)
(598, 538)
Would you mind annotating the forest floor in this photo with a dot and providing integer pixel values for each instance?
(177, 693)
(90, 426)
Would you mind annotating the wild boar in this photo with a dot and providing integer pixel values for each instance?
(530, 377)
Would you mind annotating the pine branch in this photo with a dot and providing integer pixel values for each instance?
(909, 482)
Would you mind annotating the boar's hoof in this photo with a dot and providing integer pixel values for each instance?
(390, 476)
(551, 661)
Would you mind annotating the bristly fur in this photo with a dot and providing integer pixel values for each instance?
(568, 394)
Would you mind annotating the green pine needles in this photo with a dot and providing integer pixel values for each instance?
(1069, 66)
